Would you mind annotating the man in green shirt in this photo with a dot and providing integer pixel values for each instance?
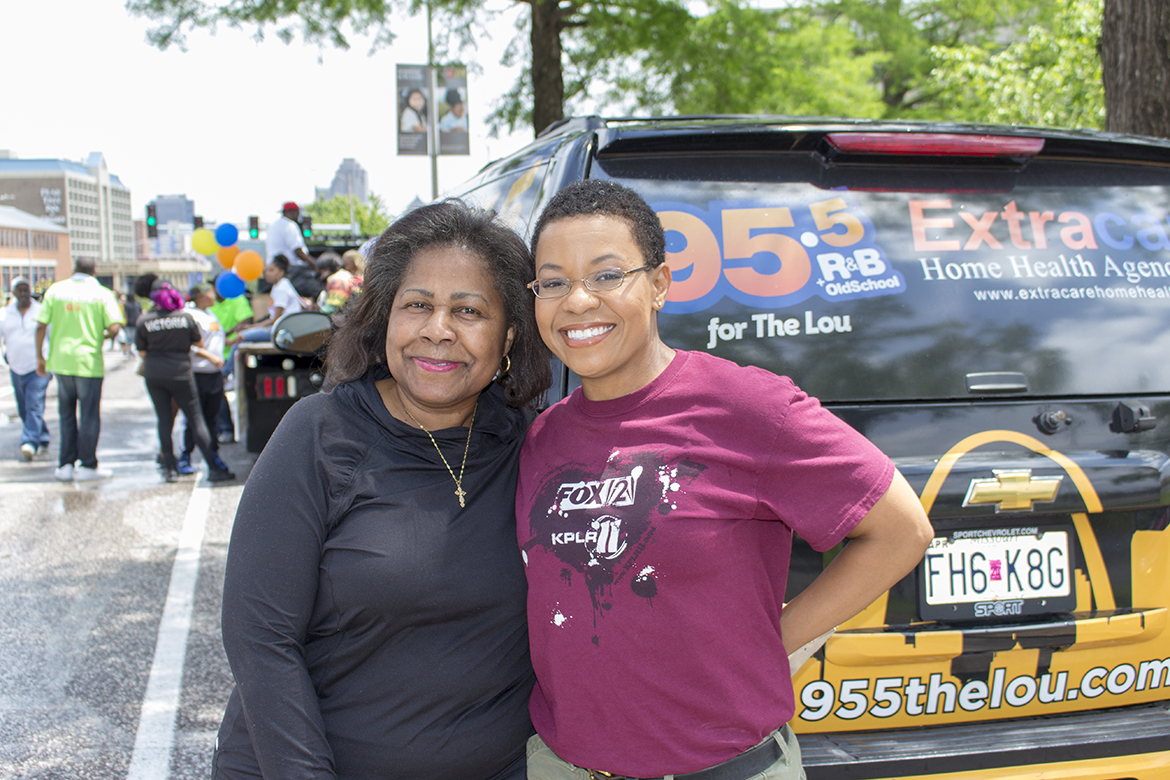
(234, 314)
(83, 315)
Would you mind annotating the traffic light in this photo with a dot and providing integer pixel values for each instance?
(254, 227)
(307, 226)
(151, 221)
(197, 222)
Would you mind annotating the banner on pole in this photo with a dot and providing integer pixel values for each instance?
(452, 95)
(413, 101)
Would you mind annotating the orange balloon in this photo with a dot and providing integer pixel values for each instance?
(249, 265)
(227, 255)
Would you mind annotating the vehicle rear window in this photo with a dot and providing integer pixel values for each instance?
(898, 281)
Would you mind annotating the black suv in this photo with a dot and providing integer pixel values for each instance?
(991, 306)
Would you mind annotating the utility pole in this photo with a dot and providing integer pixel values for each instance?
(432, 110)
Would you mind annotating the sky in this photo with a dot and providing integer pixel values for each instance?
(236, 125)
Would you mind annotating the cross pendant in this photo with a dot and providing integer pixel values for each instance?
(459, 492)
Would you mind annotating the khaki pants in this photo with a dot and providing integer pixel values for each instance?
(544, 764)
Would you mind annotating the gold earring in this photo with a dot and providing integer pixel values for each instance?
(507, 364)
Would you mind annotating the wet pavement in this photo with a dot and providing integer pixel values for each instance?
(85, 572)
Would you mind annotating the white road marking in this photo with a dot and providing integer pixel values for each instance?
(160, 705)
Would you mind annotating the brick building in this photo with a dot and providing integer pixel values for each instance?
(86, 200)
(32, 247)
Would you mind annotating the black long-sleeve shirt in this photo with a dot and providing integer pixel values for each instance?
(374, 628)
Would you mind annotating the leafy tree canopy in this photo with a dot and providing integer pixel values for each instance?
(370, 217)
(907, 34)
(1052, 77)
(992, 60)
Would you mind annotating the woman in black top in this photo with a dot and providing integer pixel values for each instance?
(164, 340)
(374, 598)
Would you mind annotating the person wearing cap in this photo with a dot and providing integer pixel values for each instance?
(83, 314)
(285, 238)
(455, 120)
(18, 329)
(206, 361)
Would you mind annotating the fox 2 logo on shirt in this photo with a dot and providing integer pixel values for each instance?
(599, 525)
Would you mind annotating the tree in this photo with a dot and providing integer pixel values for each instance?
(1135, 60)
(742, 60)
(331, 22)
(1052, 77)
(908, 33)
(370, 217)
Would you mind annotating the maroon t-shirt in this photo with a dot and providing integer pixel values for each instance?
(657, 531)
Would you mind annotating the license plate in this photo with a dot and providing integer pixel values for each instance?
(997, 573)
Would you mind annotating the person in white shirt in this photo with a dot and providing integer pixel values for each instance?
(285, 237)
(206, 363)
(18, 330)
(285, 300)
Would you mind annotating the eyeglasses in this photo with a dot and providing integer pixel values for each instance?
(601, 281)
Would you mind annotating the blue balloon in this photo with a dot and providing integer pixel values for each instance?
(226, 234)
(229, 285)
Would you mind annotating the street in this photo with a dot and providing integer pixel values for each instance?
(111, 664)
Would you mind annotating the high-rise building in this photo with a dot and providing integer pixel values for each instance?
(82, 197)
(350, 179)
(174, 208)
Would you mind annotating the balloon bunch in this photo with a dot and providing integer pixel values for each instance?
(239, 267)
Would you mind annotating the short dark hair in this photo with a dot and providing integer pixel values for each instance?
(602, 197)
(85, 265)
(280, 261)
(328, 263)
(144, 285)
(360, 342)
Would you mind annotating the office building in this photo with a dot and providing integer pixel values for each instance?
(174, 208)
(85, 199)
(350, 179)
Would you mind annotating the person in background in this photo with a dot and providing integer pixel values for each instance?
(285, 300)
(206, 361)
(285, 237)
(672, 577)
(340, 287)
(327, 264)
(234, 314)
(133, 310)
(18, 332)
(373, 599)
(83, 314)
(165, 336)
(354, 261)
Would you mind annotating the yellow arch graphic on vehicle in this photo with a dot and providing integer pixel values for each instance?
(1094, 561)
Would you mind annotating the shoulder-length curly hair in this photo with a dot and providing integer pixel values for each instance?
(360, 342)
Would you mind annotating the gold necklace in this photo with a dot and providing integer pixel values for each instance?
(459, 493)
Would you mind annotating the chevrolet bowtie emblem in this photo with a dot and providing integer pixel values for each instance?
(1012, 490)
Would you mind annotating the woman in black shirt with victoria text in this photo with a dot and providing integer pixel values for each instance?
(374, 598)
(164, 339)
